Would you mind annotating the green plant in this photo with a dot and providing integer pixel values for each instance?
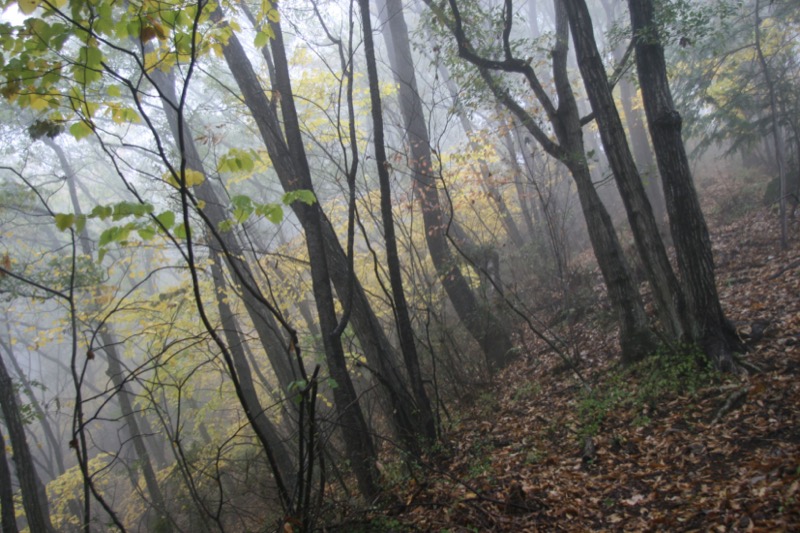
(526, 391)
(669, 372)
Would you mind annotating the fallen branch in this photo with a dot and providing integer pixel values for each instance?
(735, 400)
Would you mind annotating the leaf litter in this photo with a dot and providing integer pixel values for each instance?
(723, 457)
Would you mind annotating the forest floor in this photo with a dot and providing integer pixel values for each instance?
(662, 447)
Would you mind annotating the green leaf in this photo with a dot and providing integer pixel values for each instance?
(146, 232)
(273, 212)
(102, 212)
(167, 219)
(108, 236)
(300, 195)
(180, 231)
(65, 221)
(261, 39)
(125, 209)
(28, 6)
(79, 130)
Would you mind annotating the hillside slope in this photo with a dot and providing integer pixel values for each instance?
(657, 448)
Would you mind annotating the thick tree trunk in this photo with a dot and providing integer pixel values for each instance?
(34, 496)
(358, 440)
(492, 336)
(405, 330)
(664, 283)
(710, 328)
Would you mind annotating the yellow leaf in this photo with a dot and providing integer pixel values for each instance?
(193, 177)
(28, 6)
(39, 103)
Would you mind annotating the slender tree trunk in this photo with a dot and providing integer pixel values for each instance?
(636, 339)
(777, 137)
(643, 155)
(129, 415)
(49, 435)
(492, 336)
(358, 440)
(404, 327)
(115, 368)
(710, 328)
(34, 496)
(664, 283)
(268, 330)
(8, 519)
(486, 176)
(380, 354)
(286, 468)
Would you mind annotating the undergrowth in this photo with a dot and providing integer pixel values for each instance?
(642, 387)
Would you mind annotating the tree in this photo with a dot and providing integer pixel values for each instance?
(34, 497)
(709, 327)
(668, 296)
(293, 171)
(401, 310)
(635, 335)
(9, 519)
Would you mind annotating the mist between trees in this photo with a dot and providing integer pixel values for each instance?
(252, 252)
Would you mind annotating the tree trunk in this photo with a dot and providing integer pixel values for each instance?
(492, 336)
(486, 177)
(34, 496)
(115, 368)
(262, 317)
(402, 317)
(358, 441)
(636, 339)
(162, 520)
(286, 468)
(8, 519)
(294, 174)
(664, 283)
(777, 137)
(643, 155)
(710, 328)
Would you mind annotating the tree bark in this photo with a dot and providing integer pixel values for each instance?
(294, 174)
(34, 496)
(635, 335)
(8, 519)
(283, 459)
(129, 415)
(777, 137)
(636, 339)
(405, 329)
(492, 336)
(709, 328)
(358, 440)
(666, 290)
